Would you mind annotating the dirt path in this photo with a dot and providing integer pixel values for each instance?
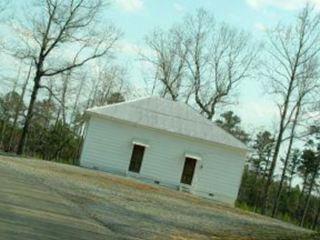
(43, 200)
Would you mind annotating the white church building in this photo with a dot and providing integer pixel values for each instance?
(166, 143)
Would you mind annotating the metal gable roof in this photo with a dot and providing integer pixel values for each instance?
(171, 116)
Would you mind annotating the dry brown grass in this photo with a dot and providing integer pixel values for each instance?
(113, 207)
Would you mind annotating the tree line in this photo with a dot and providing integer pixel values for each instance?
(65, 61)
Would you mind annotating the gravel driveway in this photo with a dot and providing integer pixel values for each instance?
(44, 200)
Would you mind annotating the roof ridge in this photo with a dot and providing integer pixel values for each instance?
(118, 103)
(165, 114)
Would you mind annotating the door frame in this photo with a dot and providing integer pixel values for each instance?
(196, 167)
(130, 160)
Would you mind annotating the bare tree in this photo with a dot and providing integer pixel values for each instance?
(292, 54)
(307, 84)
(110, 80)
(200, 59)
(64, 92)
(312, 184)
(219, 57)
(11, 97)
(19, 107)
(75, 106)
(63, 37)
(167, 56)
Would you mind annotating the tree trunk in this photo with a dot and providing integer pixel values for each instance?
(256, 191)
(65, 86)
(266, 167)
(27, 122)
(307, 202)
(82, 134)
(24, 87)
(290, 180)
(272, 167)
(316, 219)
(75, 105)
(279, 139)
(7, 119)
(283, 175)
(3, 131)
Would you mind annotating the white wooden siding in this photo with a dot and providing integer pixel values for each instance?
(108, 146)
